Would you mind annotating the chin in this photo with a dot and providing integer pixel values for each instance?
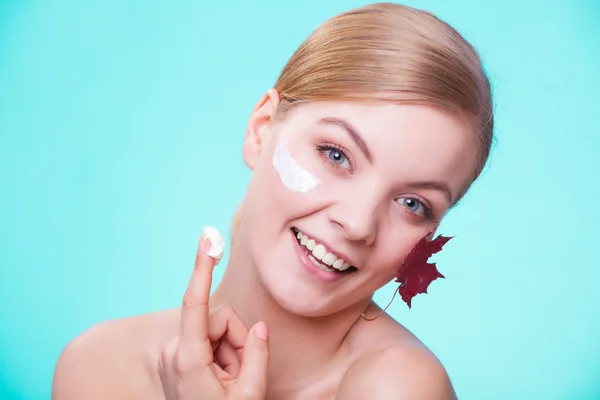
(298, 300)
(290, 278)
(294, 293)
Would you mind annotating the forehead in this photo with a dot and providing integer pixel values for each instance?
(415, 142)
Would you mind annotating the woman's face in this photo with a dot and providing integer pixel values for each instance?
(377, 178)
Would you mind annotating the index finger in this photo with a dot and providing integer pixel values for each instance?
(194, 309)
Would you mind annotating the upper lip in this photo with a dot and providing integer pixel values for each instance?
(329, 249)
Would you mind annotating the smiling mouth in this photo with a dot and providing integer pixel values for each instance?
(320, 256)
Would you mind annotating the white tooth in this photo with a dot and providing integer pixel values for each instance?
(338, 264)
(299, 234)
(319, 251)
(310, 244)
(319, 265)
(345, 266)
(303, 239)
(329, 259)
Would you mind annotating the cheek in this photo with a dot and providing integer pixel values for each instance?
(392, 252)
(273, 198)
(290, 184)
(291, 173)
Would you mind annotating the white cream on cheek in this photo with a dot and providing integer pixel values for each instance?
(292, 174)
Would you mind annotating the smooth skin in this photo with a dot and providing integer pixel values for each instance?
(215, 357)
(370, 207)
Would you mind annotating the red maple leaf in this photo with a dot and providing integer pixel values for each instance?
(416, 274)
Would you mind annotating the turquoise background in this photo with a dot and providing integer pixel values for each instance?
(113, 113)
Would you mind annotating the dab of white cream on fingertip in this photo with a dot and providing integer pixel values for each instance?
(292, 174)
(216, 242)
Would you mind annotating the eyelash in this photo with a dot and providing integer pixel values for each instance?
(428, 214)
(325, 147)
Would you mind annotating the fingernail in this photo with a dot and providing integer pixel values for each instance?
(260, 330)
(203, 244)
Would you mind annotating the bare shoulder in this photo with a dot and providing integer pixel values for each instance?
(393, 363)
(114, 359)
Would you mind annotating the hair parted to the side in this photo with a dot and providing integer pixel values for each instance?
(391, 53)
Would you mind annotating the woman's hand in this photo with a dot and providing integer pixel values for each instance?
(214, 357)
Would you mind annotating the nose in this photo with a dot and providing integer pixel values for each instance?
(357, 217)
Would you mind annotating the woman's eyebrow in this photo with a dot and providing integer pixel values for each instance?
(351, 131)
(436, 185)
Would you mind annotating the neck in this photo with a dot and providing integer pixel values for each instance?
(301, 348)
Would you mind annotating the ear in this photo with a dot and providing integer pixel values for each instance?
(258, 127)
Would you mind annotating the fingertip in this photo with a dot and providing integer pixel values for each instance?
(201, 261)
(215, 243)
(260, 330)
(202, 244)
(252, 381)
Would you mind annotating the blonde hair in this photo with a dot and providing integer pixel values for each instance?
(391, 53)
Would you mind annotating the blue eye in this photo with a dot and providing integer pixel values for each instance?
(335, 155)
(413, 205)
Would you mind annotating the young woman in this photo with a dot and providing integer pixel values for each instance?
(377, 126)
